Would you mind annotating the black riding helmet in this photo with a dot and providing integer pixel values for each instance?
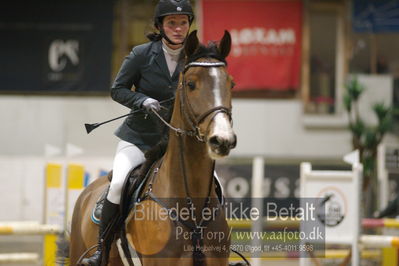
(171, 7)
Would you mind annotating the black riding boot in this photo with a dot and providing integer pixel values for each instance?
(109, 211)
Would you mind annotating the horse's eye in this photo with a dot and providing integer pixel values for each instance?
(191, 85)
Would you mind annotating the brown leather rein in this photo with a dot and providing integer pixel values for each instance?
(194, 123)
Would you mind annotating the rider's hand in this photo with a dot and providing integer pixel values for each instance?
(151, 104)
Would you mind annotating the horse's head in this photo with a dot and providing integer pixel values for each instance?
(206, 94)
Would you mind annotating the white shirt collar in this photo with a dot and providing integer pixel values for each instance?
(172, 52)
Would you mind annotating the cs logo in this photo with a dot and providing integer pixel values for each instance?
(60, 52)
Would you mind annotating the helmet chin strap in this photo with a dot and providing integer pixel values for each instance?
(169, 40)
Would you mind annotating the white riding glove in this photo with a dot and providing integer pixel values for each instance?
(151, 104)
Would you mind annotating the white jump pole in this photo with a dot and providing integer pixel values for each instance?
(377, 241)
(257, 202)
(28, 228)
(19, 257)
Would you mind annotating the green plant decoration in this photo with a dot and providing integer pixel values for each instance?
(366, 138)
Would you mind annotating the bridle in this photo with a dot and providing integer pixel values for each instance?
(186, 108)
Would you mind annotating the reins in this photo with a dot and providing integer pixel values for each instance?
(194, 123)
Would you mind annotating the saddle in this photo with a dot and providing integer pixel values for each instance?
(132, 182)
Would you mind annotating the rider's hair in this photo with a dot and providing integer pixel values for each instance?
(154, 36)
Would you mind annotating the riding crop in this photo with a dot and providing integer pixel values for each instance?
(91, 127)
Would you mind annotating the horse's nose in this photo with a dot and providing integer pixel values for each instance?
(223, 143)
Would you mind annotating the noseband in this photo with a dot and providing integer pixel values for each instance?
(187, 110)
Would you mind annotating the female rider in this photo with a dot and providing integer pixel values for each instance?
(153, 68)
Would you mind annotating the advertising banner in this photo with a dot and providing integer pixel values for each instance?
(375, 16)
(266, 36)
(53, 47)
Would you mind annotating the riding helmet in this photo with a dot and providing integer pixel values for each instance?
(172, 7)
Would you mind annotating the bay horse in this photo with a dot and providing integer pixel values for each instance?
(200, 132)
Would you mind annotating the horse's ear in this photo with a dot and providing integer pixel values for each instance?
(191, 43)
(225, 44)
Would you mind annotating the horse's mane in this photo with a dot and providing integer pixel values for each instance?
(209, 51)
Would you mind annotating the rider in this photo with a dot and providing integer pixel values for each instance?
(153, 68)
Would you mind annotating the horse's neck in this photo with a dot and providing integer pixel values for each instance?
(199, 166)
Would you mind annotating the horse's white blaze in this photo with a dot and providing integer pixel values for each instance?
(213, 72)
(221, 126)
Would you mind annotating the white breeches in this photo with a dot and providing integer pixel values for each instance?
(127, 157)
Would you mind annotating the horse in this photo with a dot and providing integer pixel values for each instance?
(200, 131)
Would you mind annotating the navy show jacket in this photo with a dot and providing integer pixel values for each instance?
(146, 69)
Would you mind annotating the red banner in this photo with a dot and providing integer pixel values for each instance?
(266, 50)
